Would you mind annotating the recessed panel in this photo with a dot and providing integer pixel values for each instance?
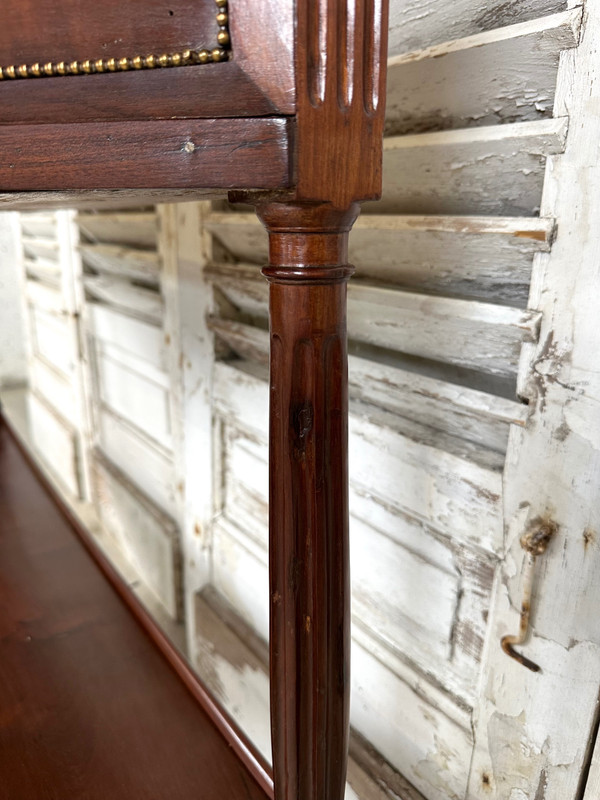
(43, 31)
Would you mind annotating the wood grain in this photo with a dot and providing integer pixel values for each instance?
(89, 703)
(198, 153)
(267, 29)
(42, 30)
(308, 499)
(209, 90)
(340, 52)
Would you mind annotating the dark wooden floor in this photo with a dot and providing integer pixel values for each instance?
(89, 708)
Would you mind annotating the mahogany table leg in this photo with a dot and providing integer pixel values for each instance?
(309, 573)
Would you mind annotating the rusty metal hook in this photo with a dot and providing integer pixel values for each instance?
(534, 542)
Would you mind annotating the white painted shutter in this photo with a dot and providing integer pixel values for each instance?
(13, 347)
(133, 459)
(56, 399)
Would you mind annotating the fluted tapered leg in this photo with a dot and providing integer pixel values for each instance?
(309, 573)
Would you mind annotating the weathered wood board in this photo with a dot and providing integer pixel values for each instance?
(12, 328)
(497, 169)
(140, 338)
(507, 75)
(125, 447)
(39, 223)
(142, 303)
(189, 350)
(145, 533)
(418, 23)
(54, 386)
(51, 339)
(137, 396)
(143, 265)
(56, 442)
(133, 228)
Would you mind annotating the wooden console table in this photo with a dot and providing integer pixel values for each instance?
(282, 105)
